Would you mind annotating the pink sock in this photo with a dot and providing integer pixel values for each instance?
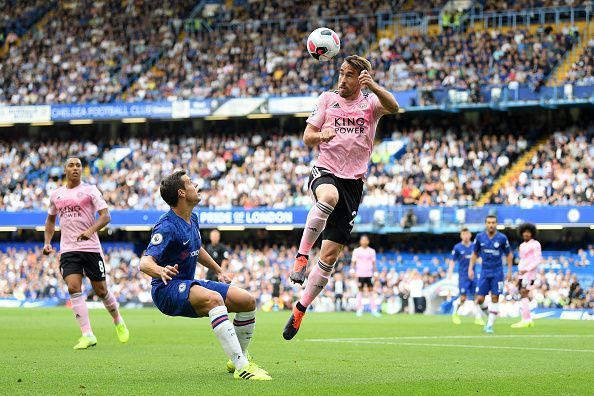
(314, 225)
(360, 302)
(316, 282)
(372, 302)
(525, 310)
(81, 313)
(112, 306)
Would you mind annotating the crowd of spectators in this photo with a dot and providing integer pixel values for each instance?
(582, 71)
(27, 274)
(18, 16)
(436, 166)
(559, 173)
(88, 51)
(103, 51)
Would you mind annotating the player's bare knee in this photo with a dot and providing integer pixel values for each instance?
(328, 195)
(250, 303)
(74, 289)
(329, 258)
(100, 291)
(214, 300)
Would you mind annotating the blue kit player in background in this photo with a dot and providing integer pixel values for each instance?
(461, 256)
(491, 246)
(170, 260)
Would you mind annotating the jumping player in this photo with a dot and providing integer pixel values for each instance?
(80, 250)
(364, 261)
(491, 246)
(343, 125)
(170, 260)
(530, 259)
(461, 255)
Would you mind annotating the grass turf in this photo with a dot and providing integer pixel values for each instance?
(398, 355)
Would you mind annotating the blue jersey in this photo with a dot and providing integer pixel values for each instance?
(461, 255)
(491, 251)
(174, 241)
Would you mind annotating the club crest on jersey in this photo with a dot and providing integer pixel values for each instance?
(363, 105)
(157, 239)
(79, 195)
(182, 287)
(496, 244)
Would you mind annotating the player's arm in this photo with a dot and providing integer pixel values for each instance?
(473, 258)
(149, 266)
(206, 260)
(510, 263)
(313, 136)
(387, 100)
(50, 229)
(102, 221)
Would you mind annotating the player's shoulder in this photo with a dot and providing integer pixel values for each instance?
(502, 236)
(54, 193)
(166, 222)
(328, 96)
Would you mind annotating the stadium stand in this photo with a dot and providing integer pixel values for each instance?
(563, 281)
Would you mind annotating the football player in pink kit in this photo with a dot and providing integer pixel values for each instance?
(364, 260)
(530, 259)
(80, 250)
(343, 125)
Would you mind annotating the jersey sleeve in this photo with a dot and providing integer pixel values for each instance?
(505, 247)
(374, 256)
(318, 115)
(354, 256)
(97, 199)
(52, 210)
(477, 245)
(162, 239)
(376, 106)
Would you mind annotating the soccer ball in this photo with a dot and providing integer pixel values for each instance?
(323, 44)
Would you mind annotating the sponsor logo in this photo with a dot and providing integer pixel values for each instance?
(349, 125)
(195, 253)
(336, 106)
(186, 242)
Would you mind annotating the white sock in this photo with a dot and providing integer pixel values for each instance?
(245, 323)
(225, 332)
(456, 305)
(478, 311)
(493, 311)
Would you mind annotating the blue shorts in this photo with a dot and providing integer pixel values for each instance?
(490, 283)
(466, 286)
(172, 298)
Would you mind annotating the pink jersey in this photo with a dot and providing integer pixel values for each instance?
(76, 208)
(364, 259)
(530, 258)
(354, 122)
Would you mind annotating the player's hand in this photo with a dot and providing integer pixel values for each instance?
(48, 249)
(508, 278)
(470, 274)
(366, 81)
(85, 236)
(326, 135)
(168, 272)
(225, 278)
(521, 272)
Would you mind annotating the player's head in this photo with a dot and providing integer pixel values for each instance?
(491, 224)
(465, 235)
(73, 169)
(364, 241)
(527, 231)
(177, 188)
(215, 236)
(348, 80)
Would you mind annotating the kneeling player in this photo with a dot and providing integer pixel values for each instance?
(170, 260)
(530, 259)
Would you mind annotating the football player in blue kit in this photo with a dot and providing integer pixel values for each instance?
(461, 256)
(491, 246)
(170, 259)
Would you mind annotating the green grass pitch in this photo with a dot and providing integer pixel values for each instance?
(389, 355)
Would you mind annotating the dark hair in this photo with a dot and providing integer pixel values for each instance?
(527, 227)
(491, 216)
(358, 62)
(170, 187)
(464, 229)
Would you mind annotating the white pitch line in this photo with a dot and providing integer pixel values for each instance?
(469, 346)
(463, 337)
